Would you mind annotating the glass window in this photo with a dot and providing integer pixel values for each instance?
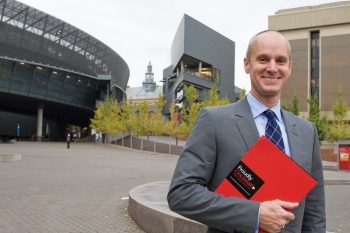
(71, 78)
(70, 87)
(83, 81)
(315, 63)
(53, 94)
(92, 83)
(6, 69)
(37, 90)
(6, 73)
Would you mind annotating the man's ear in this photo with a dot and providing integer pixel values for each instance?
(246, 65)
(290, 68)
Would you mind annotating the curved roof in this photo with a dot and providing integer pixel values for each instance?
(44, 59)
(31, 35)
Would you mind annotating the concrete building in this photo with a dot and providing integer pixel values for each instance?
(320, 42)
(52, 74)
(200, 57)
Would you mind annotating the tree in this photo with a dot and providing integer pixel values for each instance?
(242, 94)
(321, 123)
(338, 129)
(125, 115)
(293, 108)
(214, 99)
(106, 117)
(285, 106)
(157, 120)
(99, 122)
(143, 120)
(172, 126)
(112, 118)
(190, 111)
(128, 118)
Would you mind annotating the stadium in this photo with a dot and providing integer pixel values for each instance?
(52, 74)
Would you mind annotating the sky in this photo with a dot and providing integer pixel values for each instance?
(142, 31)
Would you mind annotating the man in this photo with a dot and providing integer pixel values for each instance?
(222, 136)
(68, 141)
(18, 131)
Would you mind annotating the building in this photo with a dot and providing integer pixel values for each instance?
(149, 91)
(51, 73)
(200, 57)
(320, 41)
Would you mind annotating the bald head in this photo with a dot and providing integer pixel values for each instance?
(253, 40)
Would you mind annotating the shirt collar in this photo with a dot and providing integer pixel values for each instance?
(257, 107)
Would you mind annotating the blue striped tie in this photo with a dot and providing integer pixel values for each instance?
(272, 130)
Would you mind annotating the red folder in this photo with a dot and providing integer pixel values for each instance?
(267, 173)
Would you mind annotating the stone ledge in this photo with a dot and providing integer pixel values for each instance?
(148, 207)
(10, 157)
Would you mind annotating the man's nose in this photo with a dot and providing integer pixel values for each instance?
(272, 68)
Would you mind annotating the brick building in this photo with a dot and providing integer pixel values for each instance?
(320, 41)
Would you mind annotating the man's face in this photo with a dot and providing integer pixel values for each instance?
(269, 66)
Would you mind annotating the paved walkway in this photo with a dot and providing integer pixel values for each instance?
(84, 188)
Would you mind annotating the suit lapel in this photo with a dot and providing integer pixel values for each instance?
(293, 133)
(246, 124)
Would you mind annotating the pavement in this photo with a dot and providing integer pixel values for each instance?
(86, 188)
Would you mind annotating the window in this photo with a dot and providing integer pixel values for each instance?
(315, 63)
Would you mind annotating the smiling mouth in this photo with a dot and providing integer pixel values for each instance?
(271, 78)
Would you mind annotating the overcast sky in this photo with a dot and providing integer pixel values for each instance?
(141, 31)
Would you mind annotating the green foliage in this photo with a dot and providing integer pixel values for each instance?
(293, 108)
(189, 112)
(321, 123)
(128, 116)
(242, 94)
(127, 119)
(340, 108)
(157, 119)
(214, 99)
(338, 129)
(143, 119)
(285, 106)
(172, 126)
(112, 122)
(104, 117)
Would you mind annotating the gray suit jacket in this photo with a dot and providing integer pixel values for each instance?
(220, 138)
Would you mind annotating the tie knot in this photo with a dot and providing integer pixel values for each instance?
(269, 114)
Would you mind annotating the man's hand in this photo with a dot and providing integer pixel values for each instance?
(274, 215)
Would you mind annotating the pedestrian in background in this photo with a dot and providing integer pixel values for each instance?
(18, 131)
(96, 137)
(68, 141)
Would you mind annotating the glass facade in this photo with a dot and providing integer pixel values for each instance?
(207, 73)
(49, 84)
(36, 37)
(315, 64)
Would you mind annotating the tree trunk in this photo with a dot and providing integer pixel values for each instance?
(155, 140)
(141, 143)
(169, 144)
(130, 139)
